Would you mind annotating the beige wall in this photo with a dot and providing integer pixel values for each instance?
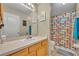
(43, 26)
(77, 9)
(34, 21)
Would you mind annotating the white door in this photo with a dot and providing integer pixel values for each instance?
(11, 25)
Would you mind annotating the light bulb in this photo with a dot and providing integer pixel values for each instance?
(29, 3)
(63, 3)
(32, 5)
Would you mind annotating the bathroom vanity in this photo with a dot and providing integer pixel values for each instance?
(37, 46)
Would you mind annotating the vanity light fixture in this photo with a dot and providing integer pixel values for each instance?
(63, 3)
(30, 4)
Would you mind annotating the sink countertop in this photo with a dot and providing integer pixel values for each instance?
(13, 46)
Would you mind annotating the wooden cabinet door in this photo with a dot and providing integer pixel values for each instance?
(45, 45)
(1, 15)
(41, 51)
(34, 47)
(32, 53)
(1, 11)
(46, 50)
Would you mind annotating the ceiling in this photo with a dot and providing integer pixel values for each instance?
(24, 9)
(56, 8)
(59, 8)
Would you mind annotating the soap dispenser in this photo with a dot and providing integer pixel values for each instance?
(30, 31)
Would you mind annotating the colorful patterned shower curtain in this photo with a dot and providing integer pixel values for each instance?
(62, 29)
